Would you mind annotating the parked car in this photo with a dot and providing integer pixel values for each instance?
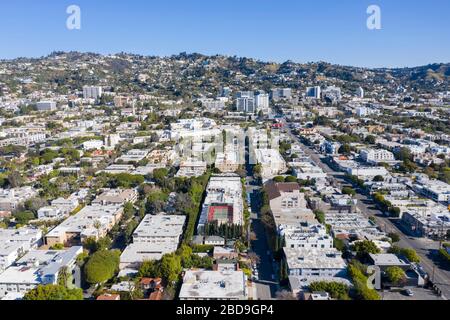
(409, 293)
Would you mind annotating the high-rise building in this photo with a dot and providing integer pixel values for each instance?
(46, 106)
(360, 93)
(332, 94)
(281, 94)
(261, 100)
(313, 92)
(246, 105)
(245, 94)
(92, 92)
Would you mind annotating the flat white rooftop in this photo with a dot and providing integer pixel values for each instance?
(214, 285)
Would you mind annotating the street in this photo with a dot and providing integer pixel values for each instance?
(265, 285)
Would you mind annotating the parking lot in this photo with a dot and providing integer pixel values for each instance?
(419, 294)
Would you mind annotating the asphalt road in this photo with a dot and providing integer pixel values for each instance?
(266, 287)
(426, 252)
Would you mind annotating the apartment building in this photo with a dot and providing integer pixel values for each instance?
(91, 222)
(377, 156)
(153, 238)
(37, 267)
(11, 199)
(15, 242)
(324, 263)
(224, 202)
(214, 285)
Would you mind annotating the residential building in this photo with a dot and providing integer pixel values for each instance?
(15, 242)
(38, 267)
(214, 285)
(92, 92)
(315, 262)
(224, 202)
(376, 156)
(313, 92)
(116, 197)
(46, 106)
(91, 222)
(271, 161)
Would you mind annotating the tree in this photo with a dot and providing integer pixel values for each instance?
(320, 216)
(378, 179)
(336, 290)
(159, 175)
(128, 211)
(53, 293)
(394, 237)
(171, 267)
(360, 281)
(24, 217)
(15, 179)
(403, 154)
(345, 149)
(396, 275)
(102, 266)
(370, 139)
(364, 248)
(408, 253)
(349, 191)
(149, 269)
(290, 179)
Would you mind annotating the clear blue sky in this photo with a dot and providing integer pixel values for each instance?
(415, 32)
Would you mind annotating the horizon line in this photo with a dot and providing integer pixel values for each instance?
(221, 55)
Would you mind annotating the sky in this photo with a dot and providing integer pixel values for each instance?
(414, 32)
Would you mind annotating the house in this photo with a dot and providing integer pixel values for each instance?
(214, 241)
(108, 297)
(111, 197)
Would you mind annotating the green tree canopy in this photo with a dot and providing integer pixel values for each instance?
(102, 266)
(396, 275)
(53, 293)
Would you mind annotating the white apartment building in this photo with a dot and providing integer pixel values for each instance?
(37, 267)
(190, 169)
(436, 190)
(224, 202)
(92, 92)
(160, 229)
(91, 222)
(134, 155)
(92, 145)
(272, 163)
(376, 155)
(14, 243)
(213, 104)
(214, 285)
(262, 100)
(324, 263)
(46, 106)
(304, 236)
(154, 237)
(10, 199)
